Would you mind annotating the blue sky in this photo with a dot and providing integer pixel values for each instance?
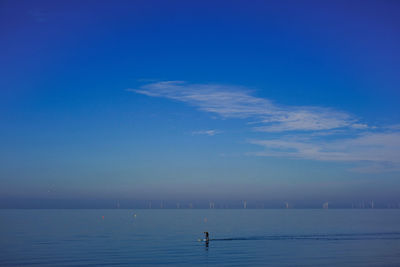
(268, 100)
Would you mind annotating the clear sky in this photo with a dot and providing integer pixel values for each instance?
(185, 100)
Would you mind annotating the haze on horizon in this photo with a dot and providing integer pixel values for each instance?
(267, 101)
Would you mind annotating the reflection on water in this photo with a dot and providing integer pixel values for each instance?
(237, 237)
(328, 237)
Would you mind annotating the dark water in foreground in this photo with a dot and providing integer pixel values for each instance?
(239, 237)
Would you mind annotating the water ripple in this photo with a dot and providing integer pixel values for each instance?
(349, 236)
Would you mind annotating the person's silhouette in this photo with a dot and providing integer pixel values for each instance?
(207, 236)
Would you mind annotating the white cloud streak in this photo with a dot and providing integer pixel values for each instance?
(206, 132)
(375, 149)
(380, 149)
(238, 102)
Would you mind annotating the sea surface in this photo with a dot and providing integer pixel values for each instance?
(171, 237)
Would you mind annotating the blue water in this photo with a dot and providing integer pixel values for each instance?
(238, 237)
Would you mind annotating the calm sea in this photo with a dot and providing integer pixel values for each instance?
(238, 237)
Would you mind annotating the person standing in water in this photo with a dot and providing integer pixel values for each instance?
(207, 237)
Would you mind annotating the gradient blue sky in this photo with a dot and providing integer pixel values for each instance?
(272, 100)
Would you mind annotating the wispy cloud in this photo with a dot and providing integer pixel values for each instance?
(306, 119)
(207, 132)
(376, 149)
(306, 132)
(239, 102)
